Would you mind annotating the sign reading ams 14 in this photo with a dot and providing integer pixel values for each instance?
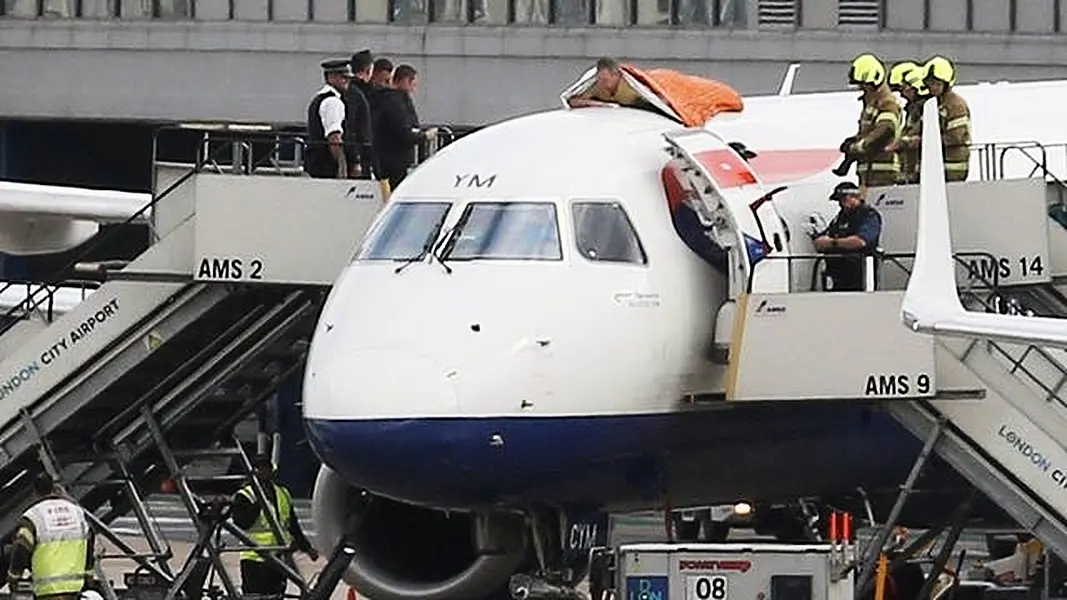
(214, 268)
(706, 587)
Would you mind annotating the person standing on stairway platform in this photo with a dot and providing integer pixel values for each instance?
(851, 236)
(955, 118)
(879, 125)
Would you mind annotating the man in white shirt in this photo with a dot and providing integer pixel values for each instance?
(325, 154)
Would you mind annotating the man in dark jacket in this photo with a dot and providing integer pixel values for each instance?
(359, 133)
(397, 124)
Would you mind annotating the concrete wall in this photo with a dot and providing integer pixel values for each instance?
(253, 70)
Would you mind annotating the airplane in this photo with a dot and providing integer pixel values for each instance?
(46, 219)
(520, 345)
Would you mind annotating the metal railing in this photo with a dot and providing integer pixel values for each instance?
(873, 265)
(986, 296)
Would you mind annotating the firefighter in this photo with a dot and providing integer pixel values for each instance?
(940, 76)
(55, 542)
(907, 79)
(879, 125)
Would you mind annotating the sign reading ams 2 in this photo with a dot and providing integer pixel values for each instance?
(230, 269)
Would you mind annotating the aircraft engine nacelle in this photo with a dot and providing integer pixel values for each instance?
(34, 234)
(406, 552)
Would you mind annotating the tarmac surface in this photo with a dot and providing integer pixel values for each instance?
(177, 529)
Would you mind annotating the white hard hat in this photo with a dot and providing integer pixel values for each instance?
(91, 595)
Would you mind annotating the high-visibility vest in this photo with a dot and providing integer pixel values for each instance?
(61, 546)
(260, 532)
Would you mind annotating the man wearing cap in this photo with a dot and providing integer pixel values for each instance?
(325, 154)
(258, 576)
(54, 541)
(854, 233)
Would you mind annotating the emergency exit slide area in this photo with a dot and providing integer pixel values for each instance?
(825, 346)
(267, 229)
(1000, 231)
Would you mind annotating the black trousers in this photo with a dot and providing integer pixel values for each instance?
(262, 578)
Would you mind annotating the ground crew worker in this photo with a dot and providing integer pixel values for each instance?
(907, 80)
(879, 125)
(854, 233)
(955, 118)
(257, 575)
(325, 154)
(55, 542)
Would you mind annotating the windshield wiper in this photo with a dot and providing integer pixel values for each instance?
(431, 240)
(452, 236)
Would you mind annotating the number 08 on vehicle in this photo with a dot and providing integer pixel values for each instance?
(706, 587)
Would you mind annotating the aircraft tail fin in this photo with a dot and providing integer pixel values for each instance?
(931, 303)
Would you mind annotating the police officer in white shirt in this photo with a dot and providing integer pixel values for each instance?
(325, 154)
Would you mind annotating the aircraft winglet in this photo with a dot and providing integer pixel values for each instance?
(787, 83)
(931, 303)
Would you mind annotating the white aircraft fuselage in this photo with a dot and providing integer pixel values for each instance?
(521, 372)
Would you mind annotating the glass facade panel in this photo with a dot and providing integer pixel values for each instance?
(533, 12)
(613, 13)
(490, 12)
(653, 12)
(98, 9)
(372, 11)
(572, 13)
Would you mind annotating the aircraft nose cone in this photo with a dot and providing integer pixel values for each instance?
(363, 411)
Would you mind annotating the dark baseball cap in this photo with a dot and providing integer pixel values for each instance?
(844, 190)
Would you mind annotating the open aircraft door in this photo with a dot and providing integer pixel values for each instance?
(742, 216)
(739, 217)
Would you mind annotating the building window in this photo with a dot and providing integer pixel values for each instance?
(859, 12)
(778, 12)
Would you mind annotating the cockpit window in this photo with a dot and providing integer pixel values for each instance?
(404, 231)
(505, 231)
(604, 233)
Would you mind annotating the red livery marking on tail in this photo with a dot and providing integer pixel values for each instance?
(726, 168)
(779, 166)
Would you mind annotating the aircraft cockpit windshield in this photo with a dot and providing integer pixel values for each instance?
(505, 231)
(404, 231)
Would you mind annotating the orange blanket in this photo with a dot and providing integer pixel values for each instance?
(695, 99)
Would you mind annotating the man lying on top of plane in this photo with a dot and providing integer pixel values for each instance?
(610, 88)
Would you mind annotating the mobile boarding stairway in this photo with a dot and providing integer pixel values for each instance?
(159, 364)
(996, 412)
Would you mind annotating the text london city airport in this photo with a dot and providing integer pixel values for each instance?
(78, 333)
